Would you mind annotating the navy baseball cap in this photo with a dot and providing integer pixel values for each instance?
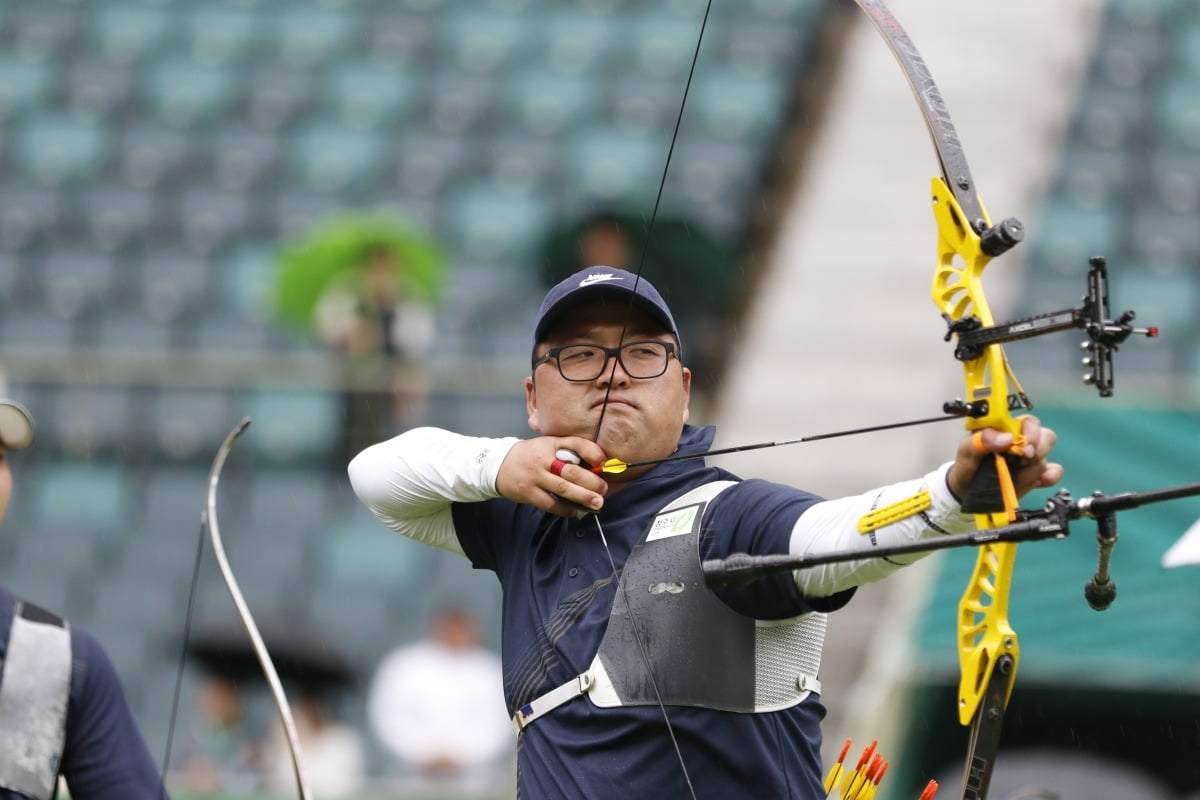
(595, 283)
(16, 425)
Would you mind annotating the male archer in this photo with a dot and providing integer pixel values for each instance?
(627, 676)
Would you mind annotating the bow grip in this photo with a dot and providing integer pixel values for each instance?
(991, 489)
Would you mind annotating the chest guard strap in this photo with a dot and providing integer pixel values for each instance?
(701, 652)
(34, 694)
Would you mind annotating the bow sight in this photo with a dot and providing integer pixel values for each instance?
(1092, 316)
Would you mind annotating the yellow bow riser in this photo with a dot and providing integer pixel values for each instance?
(984, 633)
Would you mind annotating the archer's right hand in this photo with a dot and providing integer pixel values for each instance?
(533, 473)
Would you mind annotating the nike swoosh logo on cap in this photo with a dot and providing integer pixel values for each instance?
(602, 277)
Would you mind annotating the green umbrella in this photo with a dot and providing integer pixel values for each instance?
(332, 250)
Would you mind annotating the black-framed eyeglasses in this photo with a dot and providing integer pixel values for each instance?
(586, 362)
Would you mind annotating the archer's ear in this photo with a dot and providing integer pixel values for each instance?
(531, 405)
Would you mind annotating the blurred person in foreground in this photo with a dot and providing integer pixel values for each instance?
(625, 674)
(334, 753)
(437, 706)
(220, 750)
(63, 711)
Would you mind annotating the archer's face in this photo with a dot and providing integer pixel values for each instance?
(642, 418)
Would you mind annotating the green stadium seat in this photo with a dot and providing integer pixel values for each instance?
(31, 327)
(306, 36)
(493, 221)
(56, 149)
(1091, 176)
(766, 45)
(333, 158)
(296, 212)
(1164, 238)
(1173, 180)
(215, 33)
(427, 161)
(577, 39)
(184, 425)
(1184, 43)
(1177, 112)
(245, 158)
(1065, 235)
(355, 549)
(232, 340)
(705, 170)
(462, 102)
(150, 154)
(804, 10)
(1127, 58)
(27, 83)
(1107, 116)
(612, 163)
(548, 102)
(174, 497)
(1166, 298)
(366, 95)
(397, 38)
(172, 282)
(661, 43)
(1143, 14)
(292, 424)
(524, 159)
(29, 216)
(182, 93)
(43, 28)
(644, 102)
(118, 217)
(126, 32)
(91, 497)
(285, 508)
(210, 217)
(129, 333)
(98, 88)
(277, 96)
(90, 422)
(77, 280)
(246, 279)
(482, 39)
(739, 104)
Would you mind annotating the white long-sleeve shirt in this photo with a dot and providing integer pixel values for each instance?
(411, 481)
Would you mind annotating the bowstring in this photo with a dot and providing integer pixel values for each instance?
(183, 648)
(637, 277)
(662, 183)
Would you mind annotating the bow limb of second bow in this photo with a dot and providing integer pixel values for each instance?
(239, 602)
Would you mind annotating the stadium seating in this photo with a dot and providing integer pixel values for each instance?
(152, 158)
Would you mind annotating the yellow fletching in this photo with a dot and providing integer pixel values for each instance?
(614, 465)
(902, 509)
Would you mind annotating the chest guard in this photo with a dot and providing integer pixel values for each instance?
(34, 694)
(701, 652)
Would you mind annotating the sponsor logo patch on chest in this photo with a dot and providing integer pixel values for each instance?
(675, 523)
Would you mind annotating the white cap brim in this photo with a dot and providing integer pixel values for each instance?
(16, 425)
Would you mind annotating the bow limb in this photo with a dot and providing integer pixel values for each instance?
(239, 602)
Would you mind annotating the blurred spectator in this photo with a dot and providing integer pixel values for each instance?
(219, 751)
(383, 332)
(367, 287)
(63, 711)
(437, 706)
(334, 754)
(693, 268)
